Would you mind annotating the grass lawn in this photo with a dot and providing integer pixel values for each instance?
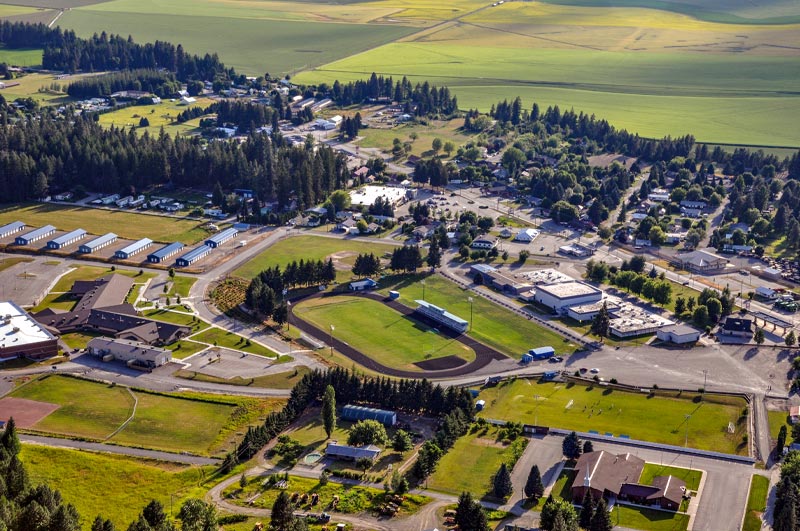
(691, 477)
(92, 272)
(181, 318)
(222, 338)
(181, 285)
(656, 418)
(353, 499)
(471, 464)
(114, 486)
(160, 115)
(88, 409)
(756, 503)
(78, 339)
(281, 380)
(308, 247)
(492, 324)
(172, 423)
(444, 130)
(60, 301)
(562, 488)
(312, 433)
(184, 348)
(776, 420)
(391, 338)
(649, 519)
(99, 221)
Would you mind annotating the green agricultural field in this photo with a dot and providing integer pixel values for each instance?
(657, 418)
(222, 338)
(309, 247)
(249, 44)
(99, 221)
(471, 464)
(95, 410)
(691, 477)
(391, 338)
(116, 487)
(19, 57)
(353, 499)
(160, 115)
(497, 327)
(756, 503)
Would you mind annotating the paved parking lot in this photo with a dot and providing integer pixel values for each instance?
(232, 364)
(26, 283)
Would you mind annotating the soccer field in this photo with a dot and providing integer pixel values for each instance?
(381, 333)
(657, 418)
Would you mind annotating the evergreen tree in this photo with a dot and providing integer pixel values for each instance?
(601, 521)
(571, 446)
(502, 483)
(282, 516)
(434, 258)
(401, 442)
(758, 337)
(533, 486)
(102, 525)
(470, 515)
(329, 410)
(588, 447)
(781, 441)
(10, 439)
(587, 510)
(601, 322)
(791, 339)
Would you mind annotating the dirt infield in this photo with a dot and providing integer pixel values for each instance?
(440, 364)
(26, 412)
(483, 353)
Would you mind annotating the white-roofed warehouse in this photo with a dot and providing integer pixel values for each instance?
(98, 243)
(132, 249)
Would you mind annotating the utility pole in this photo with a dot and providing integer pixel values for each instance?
(686, 441)
(705, 380)
(331, 341)
(470, 313)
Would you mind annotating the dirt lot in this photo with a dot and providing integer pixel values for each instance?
(26, 413)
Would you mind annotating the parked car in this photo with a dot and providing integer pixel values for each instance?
(594, 370)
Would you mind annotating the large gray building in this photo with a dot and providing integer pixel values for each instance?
(131, 352)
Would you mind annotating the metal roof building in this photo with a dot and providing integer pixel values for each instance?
(351, 453)
(66, 239)
(218, 239)
(193, 256)
(442, 316)
(11, 228)
(132, 249)
(98, 243)
(35, 235)
(356, 413)
(165, 252)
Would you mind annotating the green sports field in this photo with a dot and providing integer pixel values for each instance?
(509, 333)
(309, 247)
(95, 410)
(385, 335)
(659, 418)
(97, 221)
(118, 487)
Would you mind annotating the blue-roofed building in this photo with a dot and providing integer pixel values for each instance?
(132, 249)
(542, 353)
(220, 238)
(98, 243)
(356, 413)
(66, 239)
(35, 235)
(442, 316)
(11, 228)
(165, 252)
(193, 256)
(351, 453)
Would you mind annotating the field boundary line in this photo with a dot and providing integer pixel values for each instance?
(133, 414)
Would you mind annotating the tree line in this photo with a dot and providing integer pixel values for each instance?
(161, 83)
(49, 154)
(265, 291)
(422, 99)
(412, 396)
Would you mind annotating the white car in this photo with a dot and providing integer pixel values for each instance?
(594, 371)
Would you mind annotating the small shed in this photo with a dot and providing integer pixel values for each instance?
(527, 357)
(480, 404)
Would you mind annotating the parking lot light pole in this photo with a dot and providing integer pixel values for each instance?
(705, 380)
(470, 313)
(331, 340)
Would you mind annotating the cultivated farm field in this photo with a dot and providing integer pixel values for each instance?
(657, 418)
(99, 221)
(380, 332)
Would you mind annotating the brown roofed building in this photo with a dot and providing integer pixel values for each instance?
(617, 476)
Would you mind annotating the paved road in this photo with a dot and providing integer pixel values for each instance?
(114, 449)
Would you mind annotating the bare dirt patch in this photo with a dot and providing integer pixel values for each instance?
(338, 260)
(440, 364)
(26, 412)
